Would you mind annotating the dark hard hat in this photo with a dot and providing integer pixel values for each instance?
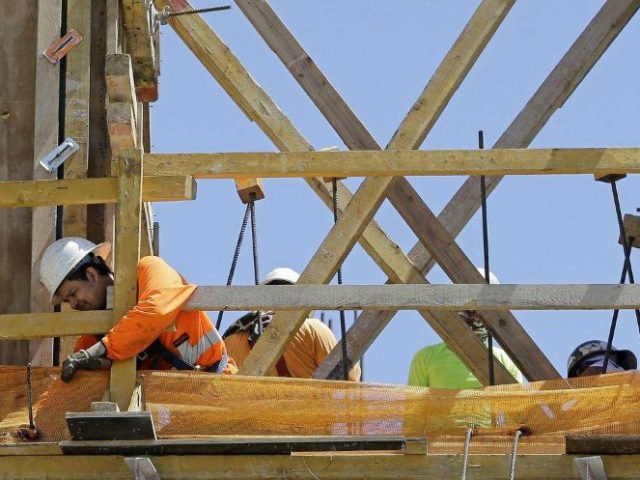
(624, 358)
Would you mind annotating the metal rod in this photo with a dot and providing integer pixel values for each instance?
(200, 10)
(29, 398)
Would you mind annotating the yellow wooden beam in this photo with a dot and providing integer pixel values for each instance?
(356, 137)
(457, 297)
(198, 36)
(127, 254)
(553, 92)
(87, 191)
(404, 162)
(316, 466)
(50, 324)
(372, 192)
(142, 43)
(77, 99)
(244, 90)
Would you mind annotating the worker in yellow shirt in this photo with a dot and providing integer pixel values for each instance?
(436, 366)
(73, 270)
(306, 351)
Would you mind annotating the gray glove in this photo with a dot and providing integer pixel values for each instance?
(82, 360)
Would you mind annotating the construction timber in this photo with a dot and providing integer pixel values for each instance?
(100, 93)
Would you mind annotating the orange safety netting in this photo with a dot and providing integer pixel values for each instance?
(195, 404)
(200, 405)
(51, 399)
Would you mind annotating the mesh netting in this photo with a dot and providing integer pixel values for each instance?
(51, 397)
(195, 404)
(200, 405)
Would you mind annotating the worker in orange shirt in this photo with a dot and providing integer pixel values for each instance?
(306, 351)
(156, 330)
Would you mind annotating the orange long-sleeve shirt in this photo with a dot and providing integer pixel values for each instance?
(307, 350)
(162, 293)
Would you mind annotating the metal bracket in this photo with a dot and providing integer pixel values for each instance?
(59, 155)
(590, 468)
(61, 47)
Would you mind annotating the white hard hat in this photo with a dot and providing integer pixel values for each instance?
(492, 278)
(282, 274)
(60, 258)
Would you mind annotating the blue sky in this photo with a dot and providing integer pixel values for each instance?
(379, 56)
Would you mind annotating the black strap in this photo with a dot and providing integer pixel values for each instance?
(158, 350)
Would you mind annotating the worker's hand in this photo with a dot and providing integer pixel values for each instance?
(82, 360)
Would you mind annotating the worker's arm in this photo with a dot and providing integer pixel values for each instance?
(162, 293)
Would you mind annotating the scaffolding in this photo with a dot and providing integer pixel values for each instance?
(108, 185)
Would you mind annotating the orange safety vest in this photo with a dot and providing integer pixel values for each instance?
(188, 335)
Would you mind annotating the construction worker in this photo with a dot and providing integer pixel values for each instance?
(436, 366)
(156, 330)
(306, 351)
(588, 359)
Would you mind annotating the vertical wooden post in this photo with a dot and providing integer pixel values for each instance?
(128, 218)
(45, 139)
(76, 124)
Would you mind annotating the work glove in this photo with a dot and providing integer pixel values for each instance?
(82, 360)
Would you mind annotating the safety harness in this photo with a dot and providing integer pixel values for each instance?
(254, 323)
(157, 350)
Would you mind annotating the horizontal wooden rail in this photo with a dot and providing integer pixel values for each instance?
(372, 466)
(395, 163)
(416, 297)
(87, 191)
(22, 326)
(347, 297)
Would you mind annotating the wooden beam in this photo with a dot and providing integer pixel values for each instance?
(18, 121)
(45, 133)
(77, 99)
(142, 44)
(318, 466)
(398, 162)
(362, 207)
(307, 73)
(127, 254)
(356, 136)
(455, 297)
(561, 82)
(196, 34)
(243, 89)
(22, 326)
(87, 191)
(128, 124)
(121, 122)
(119, 78)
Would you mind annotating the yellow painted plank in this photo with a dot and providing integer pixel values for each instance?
(203, 42)
(362, 207)
(457, 297)
(86, 191)
(243, 89)
(142, 44)
(558, 86)
(316, 466)
(77, 101)
(50, 324)
(366, 163)
(127, 254)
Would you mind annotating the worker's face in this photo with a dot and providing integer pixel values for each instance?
(89, 294)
